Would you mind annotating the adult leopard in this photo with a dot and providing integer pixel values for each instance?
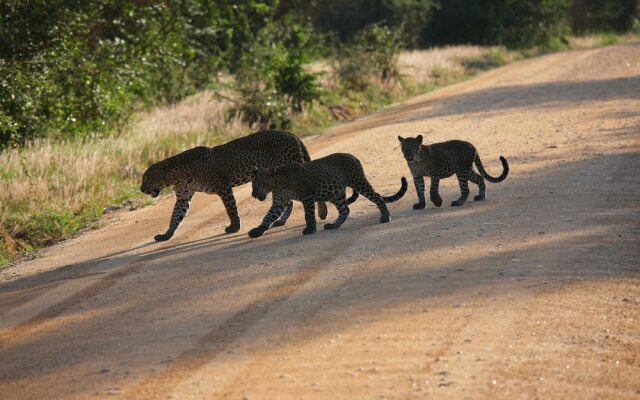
(216, 170)
(321, 180)
(442, 160)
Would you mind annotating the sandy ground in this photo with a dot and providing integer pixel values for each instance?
(533, 293)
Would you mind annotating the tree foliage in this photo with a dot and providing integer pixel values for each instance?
(270, 75)
(605, 16)
(370, 57)
(512, 23)
(76, 68)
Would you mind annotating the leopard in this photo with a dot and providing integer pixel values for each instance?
(443, 160)
(218, 169)
(322, 180)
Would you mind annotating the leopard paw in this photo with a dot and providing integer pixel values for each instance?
(232, 228)
(309, 230)
(161, 237)
(256, 232)
(419, 206)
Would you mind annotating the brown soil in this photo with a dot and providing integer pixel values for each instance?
(533, 293)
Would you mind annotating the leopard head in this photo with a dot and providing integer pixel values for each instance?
(154, 180)
(264, 181)
(269, 180)
(411, 147)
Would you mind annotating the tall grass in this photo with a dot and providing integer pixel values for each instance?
(594, 40)
(52, 189)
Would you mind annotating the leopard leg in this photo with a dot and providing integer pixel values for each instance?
(464, 190)
(309, 216)
(418, 181)
(433, 192)
(180, 210)
(343, 211)
(322, 211)
(232, 211)
(478, 180)
(285, 215)
(275, 212)
(367, 191)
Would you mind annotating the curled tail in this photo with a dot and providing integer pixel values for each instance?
(322, 207)
(387, 199)
(505, 170)
(397, 196)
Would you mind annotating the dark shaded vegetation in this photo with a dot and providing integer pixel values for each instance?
(72, 68)
(605, 16)
(513, 23)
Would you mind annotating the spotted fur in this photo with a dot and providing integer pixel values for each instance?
(216, 170)
(321, 180)
(442, 160)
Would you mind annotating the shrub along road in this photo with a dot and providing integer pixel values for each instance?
(533, 292)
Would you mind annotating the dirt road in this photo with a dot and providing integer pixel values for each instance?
(533, 293)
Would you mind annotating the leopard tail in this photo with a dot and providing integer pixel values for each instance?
(505, 170)
(397, 196)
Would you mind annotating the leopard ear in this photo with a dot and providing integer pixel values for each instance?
(400, 138)
(419, 138)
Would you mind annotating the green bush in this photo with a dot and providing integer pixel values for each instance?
(271, 80)
(607, 39)
(72, 68)
(85, 73)
(491, 58)
(370, 57)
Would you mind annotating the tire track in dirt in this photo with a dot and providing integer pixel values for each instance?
(16, 324)
(219, 339)
(13, 329)
(93, 289)
(456, 324)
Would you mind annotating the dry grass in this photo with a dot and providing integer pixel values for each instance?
(424, 66)
(417, 66)
(70, 182)
(202, 113)
(601, 39)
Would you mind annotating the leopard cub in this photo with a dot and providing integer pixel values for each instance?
(321, 180)
(442, 160)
